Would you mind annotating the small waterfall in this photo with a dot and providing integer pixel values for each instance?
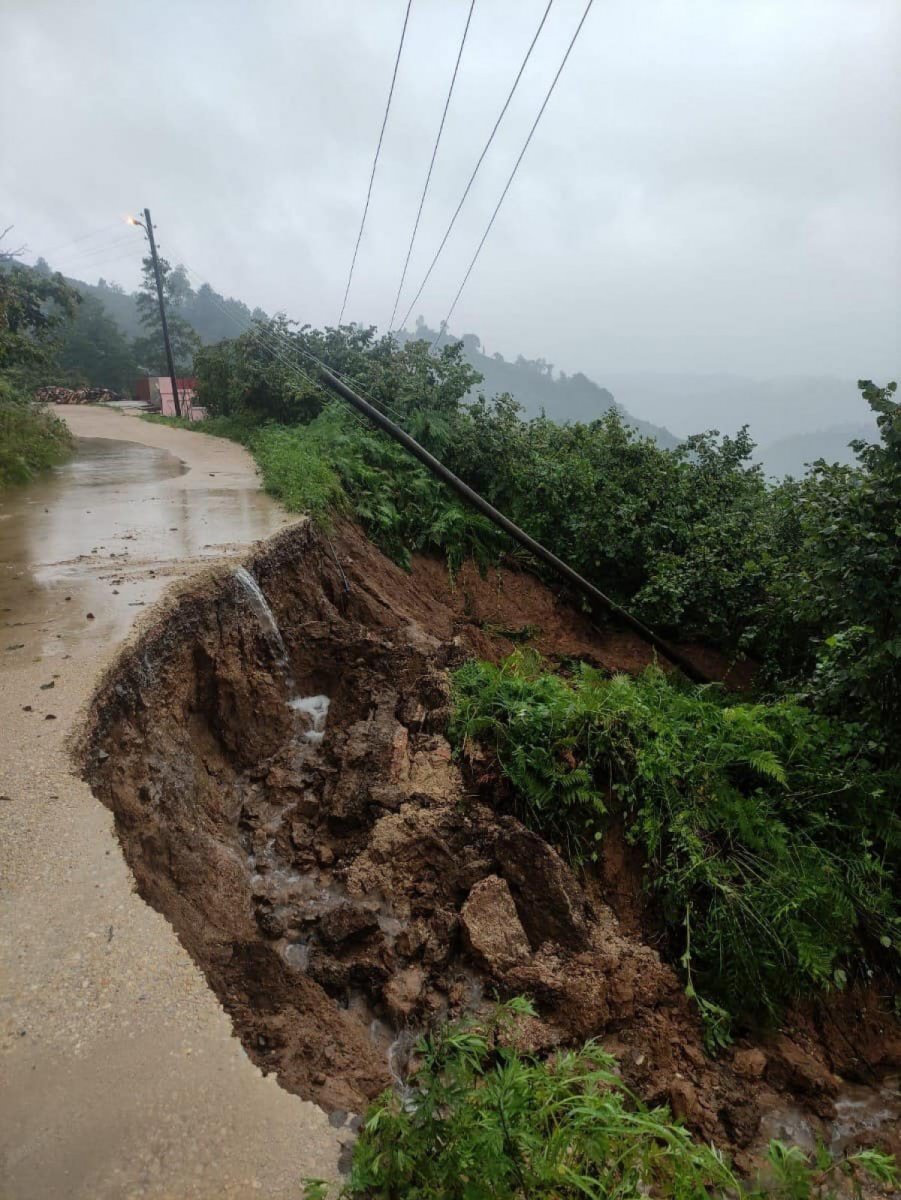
(266, 617)
(314, 708)
(400, 1053)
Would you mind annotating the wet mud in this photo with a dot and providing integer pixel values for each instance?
(273, 750)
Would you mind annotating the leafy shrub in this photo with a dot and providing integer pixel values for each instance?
(772, 841)
(840, 582)
(31, 437)
(478, 1121)
(682, 537)
(402, 507)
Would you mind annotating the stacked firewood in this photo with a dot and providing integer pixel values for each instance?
(84, 395)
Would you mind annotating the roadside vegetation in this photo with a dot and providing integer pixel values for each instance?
(33, 311)
(31, 438)
(805, 576)
(772, 840)
(480, 1121)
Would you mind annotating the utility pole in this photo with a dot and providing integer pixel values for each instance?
(148, 226)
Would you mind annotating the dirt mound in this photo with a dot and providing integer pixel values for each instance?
(284, 794)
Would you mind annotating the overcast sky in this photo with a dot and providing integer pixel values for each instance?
(715, 185)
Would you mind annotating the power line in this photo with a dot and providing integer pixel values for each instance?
(522, 152)
(475, 170)
(67, 272)
(79, 256)
(84, 237)
(375, 162)
(428, 177)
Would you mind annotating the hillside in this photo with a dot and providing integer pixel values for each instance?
(539, 389)
(790, 455)
(532, 381)
(212, 315)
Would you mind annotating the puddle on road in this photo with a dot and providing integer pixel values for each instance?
(109, 528)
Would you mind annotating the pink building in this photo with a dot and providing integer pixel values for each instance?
(156, 391)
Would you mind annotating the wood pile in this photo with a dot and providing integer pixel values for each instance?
(84, 395)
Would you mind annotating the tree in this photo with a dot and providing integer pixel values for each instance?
(149, 350)
(94, 351)
(32, 310)
(214, 316)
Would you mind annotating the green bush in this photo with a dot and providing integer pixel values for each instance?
(31, 437)
(772, 841)
(478, 1121)
(839, 582)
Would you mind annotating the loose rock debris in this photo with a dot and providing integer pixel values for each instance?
(341, 893)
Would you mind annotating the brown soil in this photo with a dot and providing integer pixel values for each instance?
(503, 608)
(339, 892)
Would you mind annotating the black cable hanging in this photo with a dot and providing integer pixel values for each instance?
(522, 152)
(475, 171)
(428, 178)
(375, 162)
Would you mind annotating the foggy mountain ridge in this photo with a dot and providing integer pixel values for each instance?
(794, 421)
(774, 408)
(791, 455)
(564, 398)
(534, 384)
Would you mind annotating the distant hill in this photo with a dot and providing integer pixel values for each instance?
(773, 408)
(212, 315)
(535, 385)
(790, 455)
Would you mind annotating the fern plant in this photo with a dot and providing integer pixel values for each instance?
(480, 1121)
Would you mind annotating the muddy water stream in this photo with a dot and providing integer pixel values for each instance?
(103, 533)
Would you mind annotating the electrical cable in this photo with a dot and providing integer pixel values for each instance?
(66, 272)
(84, 237)
(375, 162)
(78, 257)
(476, 168)
(522, 152)
(428, 178)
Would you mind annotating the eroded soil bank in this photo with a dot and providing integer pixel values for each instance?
(294, 811)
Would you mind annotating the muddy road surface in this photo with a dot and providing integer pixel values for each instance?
(122, 1075)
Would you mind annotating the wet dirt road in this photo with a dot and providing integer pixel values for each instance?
(121, 1076)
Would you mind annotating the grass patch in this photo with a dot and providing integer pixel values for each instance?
(236, 429)
(31, 438)
(772, 842)
(480, 1121)
(295, 470)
